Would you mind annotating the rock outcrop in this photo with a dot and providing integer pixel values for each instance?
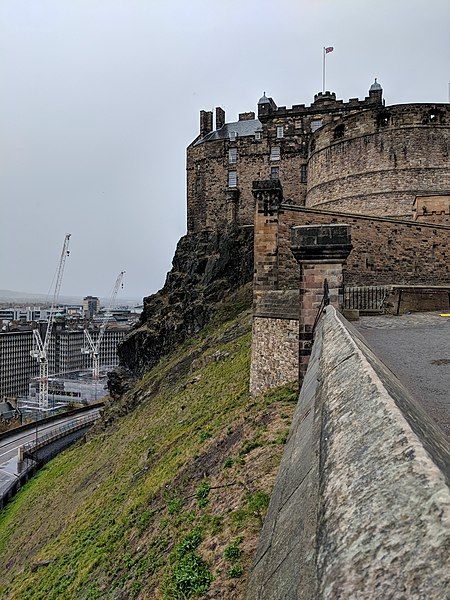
(207, 268)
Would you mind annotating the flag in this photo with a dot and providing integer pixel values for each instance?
(329, 49)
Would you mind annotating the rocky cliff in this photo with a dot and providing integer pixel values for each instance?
(207, 267)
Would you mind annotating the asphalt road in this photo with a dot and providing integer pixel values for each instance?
(416, 348)
(10, 445)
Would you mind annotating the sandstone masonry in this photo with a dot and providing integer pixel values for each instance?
(357, 156)
(385, 251)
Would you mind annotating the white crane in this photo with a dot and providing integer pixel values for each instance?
(92, 348)
(40, 348)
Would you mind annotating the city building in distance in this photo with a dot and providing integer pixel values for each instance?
(91, 306)
(17, 367)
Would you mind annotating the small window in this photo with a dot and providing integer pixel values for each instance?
(258, 135)
(315, 125)
(233, 136)
(275, 153)
(303, 174)
(232, 178)
(433, 116)
(339, 132)
(280, 131)
(232, 156)
(274, 172)
(383, 119)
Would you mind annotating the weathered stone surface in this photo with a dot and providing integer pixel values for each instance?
(363, 484)
(385, 508)
(207, 268)
(274, 353)
(386, 251)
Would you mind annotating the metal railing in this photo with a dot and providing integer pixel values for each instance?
(28, 449)
(324, 302)
(366, 297)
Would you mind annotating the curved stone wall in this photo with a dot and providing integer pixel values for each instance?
(378, 161)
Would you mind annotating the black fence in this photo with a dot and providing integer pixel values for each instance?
(366, 297)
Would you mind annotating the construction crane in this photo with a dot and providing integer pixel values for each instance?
(92, 348)
(40, 347)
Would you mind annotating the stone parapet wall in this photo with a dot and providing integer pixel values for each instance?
(360, 507)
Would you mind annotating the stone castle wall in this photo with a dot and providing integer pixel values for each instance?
(389, 251)
(364, 157)
(378, 161)
(212, 204)
(385, 251)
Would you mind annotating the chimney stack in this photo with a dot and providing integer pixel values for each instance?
(206, 122)
(220, 117)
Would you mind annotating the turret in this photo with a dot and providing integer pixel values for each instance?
(376, 92)
(266, 106)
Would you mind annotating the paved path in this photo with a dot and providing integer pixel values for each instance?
(416, 348)
(9, 446)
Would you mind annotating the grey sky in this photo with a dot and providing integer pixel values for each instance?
(99, 99)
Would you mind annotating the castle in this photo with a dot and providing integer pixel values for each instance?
(369, 182)
(358, 156)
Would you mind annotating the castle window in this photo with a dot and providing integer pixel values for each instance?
(232, 178)
(232, 156)
(258, 135)
(316, 124)
(303, 174)
(275, 153)
(274, 173)
(383, 119)
(433, 116)
(233, 136)
(339, 132)
(280, 131)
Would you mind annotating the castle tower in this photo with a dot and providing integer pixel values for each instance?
(376, 92)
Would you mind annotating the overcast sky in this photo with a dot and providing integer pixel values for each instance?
(99, 99)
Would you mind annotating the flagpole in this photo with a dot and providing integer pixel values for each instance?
(323, 70)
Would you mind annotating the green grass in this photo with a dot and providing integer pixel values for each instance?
(134, 510)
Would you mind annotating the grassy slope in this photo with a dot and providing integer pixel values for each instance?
(165, 502)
